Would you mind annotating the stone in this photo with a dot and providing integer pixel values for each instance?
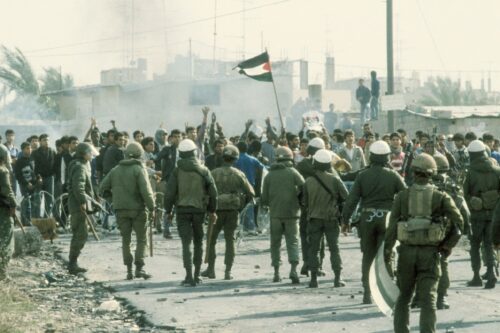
(27, 243)
(108, 306)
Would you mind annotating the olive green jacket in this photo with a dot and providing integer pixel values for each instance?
(79, 185)
(318, 202)
(129, 186)
(191, 188)
(281, 191)
(443, 210)
(231, 181)
(375, 187)
(7, 195)
(482, 176)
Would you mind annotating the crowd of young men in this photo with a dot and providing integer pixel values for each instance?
(435, 187)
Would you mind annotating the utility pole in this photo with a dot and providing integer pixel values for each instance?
(215, 37)
(390, 55)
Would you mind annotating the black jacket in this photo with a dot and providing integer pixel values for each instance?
(168, 159)
(23, 170)
(112, 157)
(44, 162)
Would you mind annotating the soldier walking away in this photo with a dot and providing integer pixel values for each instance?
(7, 212)
(133, 200)
(282, 187)
(305, 168)
(79, 185)
(324, 192)
(445, 184)
(234, 192)
(481, 190)
(425, 221)
(192, 190)
(374, 189)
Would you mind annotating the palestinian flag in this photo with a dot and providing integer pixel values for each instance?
(257, 68)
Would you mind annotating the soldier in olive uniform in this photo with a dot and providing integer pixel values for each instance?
(192, 190)
(305, 168)
(425, 221)
(133, 200)
(7, 211)
(79, 183)
(445, 184)
(481, 190)
(323, 194)
(374, 188)
(282, 187)
(234, 191)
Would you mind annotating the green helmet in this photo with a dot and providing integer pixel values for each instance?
(424, 163)
(134, 150)
(442, 163)
(84, 148)
(231, 151)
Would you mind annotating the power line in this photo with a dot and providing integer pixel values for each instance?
(160, 29)
(436, 49)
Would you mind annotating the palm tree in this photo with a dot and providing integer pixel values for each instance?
(17, 74)
(52, 80)
(443, 92)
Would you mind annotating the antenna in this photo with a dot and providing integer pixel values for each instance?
(243, 35)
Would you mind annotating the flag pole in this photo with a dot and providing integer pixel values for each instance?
(276, 98)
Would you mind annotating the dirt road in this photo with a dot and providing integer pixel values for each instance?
(252, 303)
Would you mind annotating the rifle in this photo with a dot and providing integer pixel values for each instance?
(91, 226)
(210, 231)
(16, 220)
(153, 219)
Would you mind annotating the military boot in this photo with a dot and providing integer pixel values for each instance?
(442, 303)
(304, 270)
(476, 281)
(209, 272)
(130, 276)
(277, 277)
(367, 297)
(189, 281)
(338, 282)
(140, 272)
(293, 273)
(491, 281)
(227, 273)
(196, 277)
(73, 267)
(314, 280)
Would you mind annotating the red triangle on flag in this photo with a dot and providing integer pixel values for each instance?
(267, 67)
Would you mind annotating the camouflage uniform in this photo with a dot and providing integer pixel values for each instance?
(8, 201)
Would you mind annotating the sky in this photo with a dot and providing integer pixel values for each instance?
(455, 38)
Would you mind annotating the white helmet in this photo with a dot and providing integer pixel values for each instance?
(476, 146)
(380, 147)
(187, 145)
(317, 143)
(323, 156)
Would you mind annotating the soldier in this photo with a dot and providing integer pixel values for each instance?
(7, 211)
(481, 187)
(305, 168)
(445, 184)
(424, 220)
(280, 193)
(133, 199)
(374, 188)
(79, 184)
(324, 192)
(234, 191)
(192, 190)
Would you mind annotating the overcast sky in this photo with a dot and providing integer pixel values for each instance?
(453, 37)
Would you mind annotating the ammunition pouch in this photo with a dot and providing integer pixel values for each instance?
(490, 199)
(420, 231)
(476, 203)
(229, 201)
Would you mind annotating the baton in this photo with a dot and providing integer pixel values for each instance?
(91, 225)
(16, 220)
